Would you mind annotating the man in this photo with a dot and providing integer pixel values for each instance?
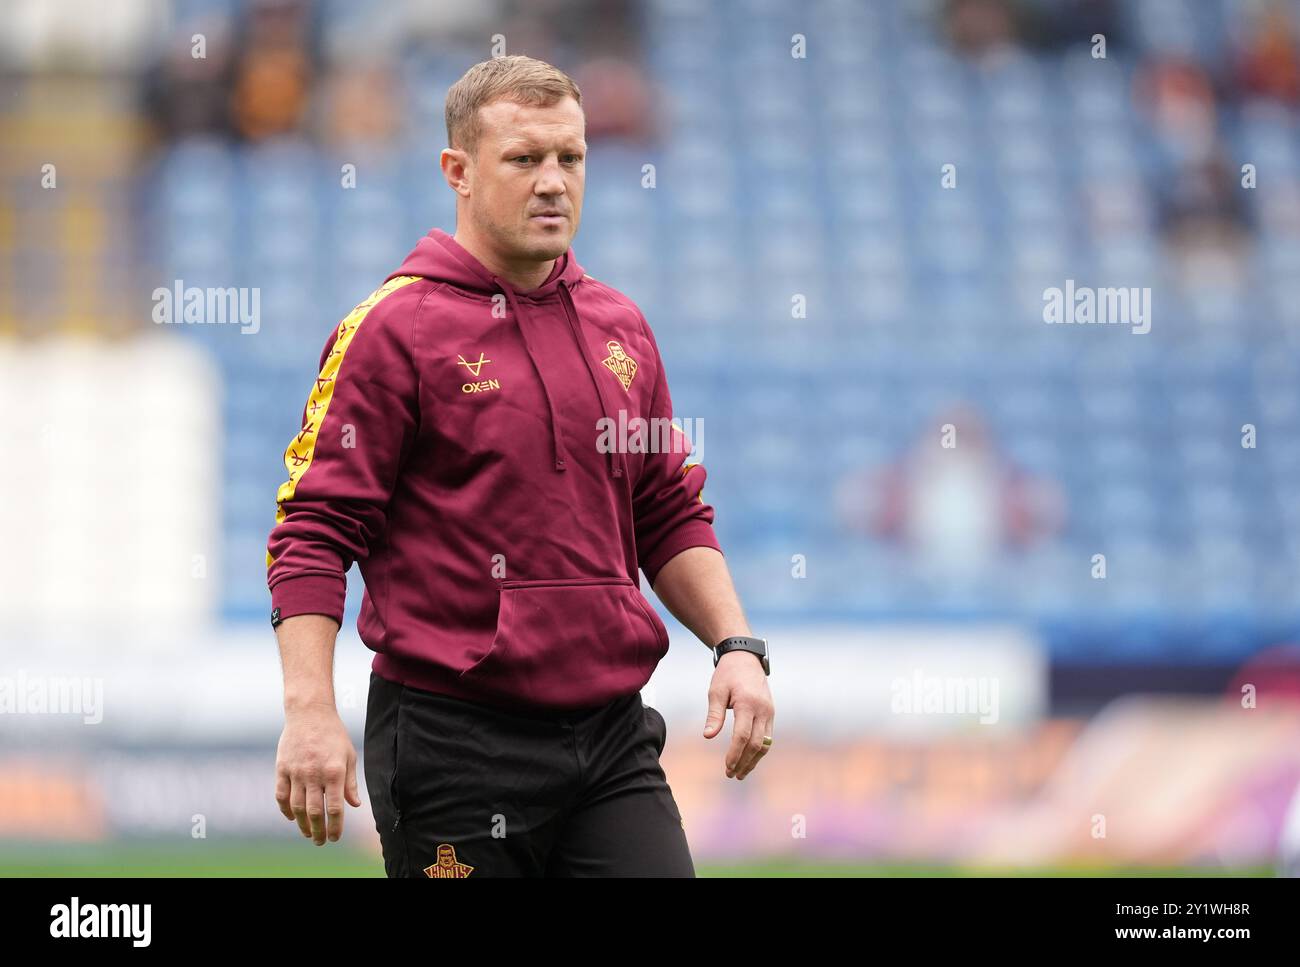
(451, 446)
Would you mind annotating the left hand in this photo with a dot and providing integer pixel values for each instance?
(739, 684)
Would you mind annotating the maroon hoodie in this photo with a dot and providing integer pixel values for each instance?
(450, 445)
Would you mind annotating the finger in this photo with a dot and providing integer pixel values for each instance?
(282, 788)
(350, 790)
(756, 750)
(334, 779)
(717, 716)
(746, 759)
(316, 811)
(298, 803)
(743, 721)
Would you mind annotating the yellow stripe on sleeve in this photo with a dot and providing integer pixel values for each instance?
(298, 454)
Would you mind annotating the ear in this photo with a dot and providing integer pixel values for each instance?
(456, 167)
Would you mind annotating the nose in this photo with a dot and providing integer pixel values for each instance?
(550, 178)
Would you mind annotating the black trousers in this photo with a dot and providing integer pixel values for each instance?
(464, 789)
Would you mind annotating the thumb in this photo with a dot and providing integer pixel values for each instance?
(350, 787)
(717, 714)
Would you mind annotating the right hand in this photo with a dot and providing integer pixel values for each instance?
(315, 768)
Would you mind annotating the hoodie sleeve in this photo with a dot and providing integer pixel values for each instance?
(669, 511)
(357, 427)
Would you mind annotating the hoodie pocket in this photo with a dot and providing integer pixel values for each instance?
(569, 643)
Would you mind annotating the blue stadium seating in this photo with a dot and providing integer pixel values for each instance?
(822, 177)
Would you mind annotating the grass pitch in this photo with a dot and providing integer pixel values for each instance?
(301, 859)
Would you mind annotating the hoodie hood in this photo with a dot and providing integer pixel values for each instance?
(440, 258)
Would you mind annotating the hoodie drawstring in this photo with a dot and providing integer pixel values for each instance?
(556, 443)
(613, 457)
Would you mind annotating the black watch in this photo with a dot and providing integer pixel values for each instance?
(742, 643)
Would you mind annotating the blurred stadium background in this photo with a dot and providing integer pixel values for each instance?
(832, 302)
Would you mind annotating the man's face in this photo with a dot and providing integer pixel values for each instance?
(524, 186)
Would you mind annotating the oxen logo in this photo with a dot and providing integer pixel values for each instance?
(476, 369)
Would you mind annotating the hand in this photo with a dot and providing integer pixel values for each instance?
(315, 768)
(740, 684)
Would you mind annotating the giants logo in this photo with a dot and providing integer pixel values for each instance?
(620, 364)
(447, 868)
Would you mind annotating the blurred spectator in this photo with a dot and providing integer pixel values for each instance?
(1053, 25)
(253, 80)
(958, 507)
(1205, 228)
(186, 94)
(266, 75)
(360, 107)
(274, 70)
(617, 100)
(1178, 96)
(1201, 212)
(1268, 67)
(983, 31)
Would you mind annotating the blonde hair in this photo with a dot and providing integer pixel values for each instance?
(517, 78)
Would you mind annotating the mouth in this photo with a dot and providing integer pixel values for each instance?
(548, 219)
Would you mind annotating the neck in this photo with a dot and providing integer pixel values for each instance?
(524, 275)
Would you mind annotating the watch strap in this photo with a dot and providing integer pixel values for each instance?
(756, 646)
